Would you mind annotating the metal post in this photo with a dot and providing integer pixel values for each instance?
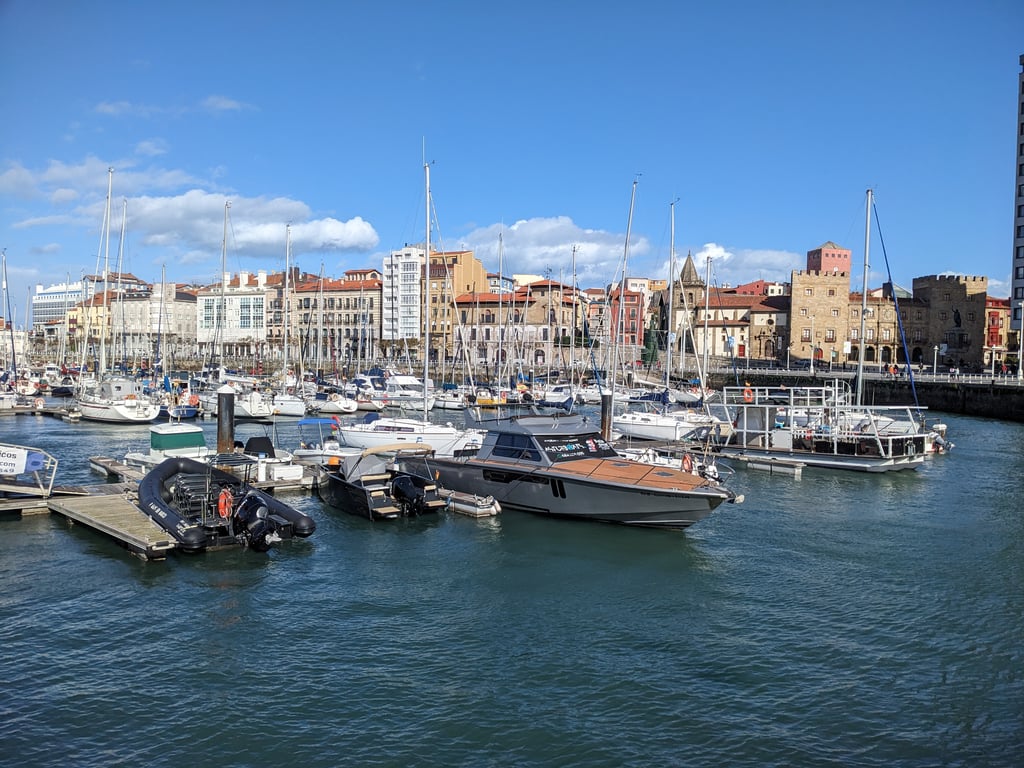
(935, 360)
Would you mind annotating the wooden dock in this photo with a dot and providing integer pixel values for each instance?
(112, 509)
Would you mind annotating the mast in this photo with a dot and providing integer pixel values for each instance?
(426, 291)
(7, 320)
(572, 330)
(671, 293)
(620, 323)
(219, 326)
(707, 313)
(120, 295)
(287, 300)
(863, 300)
(106, 278)
(160, 319)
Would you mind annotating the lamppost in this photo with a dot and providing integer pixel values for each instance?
(812, 346)
(1020, 346)
(935, 360)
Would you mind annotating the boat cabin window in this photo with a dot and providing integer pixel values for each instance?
(513, 446)
(573, 447)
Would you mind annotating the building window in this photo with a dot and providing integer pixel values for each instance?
(945, 297)
(854, 313)
(831, 291)
(835, 313)
(943, 316)
(808, 291)
(970, 317)
(869, 334)
(886, 334)
(803, 311)
(805, 334)
(830, 334)
(854, 333)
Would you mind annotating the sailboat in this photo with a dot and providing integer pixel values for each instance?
(655, 423)
(250, 403)
(375, 431)
(286, 402)
(113, 397)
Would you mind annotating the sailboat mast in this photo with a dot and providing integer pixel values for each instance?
(707, 315)
(426, 290)
(222, 309)
(620, 323)
(671, 293)
(863, 299)
(106, 279)
(287, 300)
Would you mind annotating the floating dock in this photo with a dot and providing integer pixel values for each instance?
(112, 509)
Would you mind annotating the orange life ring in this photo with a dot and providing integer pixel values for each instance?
(38, 403)
(748, 395)
(193, 400)
(687, 463)
(224, 503)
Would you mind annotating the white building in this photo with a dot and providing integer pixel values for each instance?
(231, 316)
(402, 294)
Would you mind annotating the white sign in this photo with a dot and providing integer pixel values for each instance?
(12, 461)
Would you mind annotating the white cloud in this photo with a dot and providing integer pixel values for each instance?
(545, 245)
(151, 147)
(63, 196)
(222, 104)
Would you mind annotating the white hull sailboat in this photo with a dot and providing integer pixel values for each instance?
(117, 399)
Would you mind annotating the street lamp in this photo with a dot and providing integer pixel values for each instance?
(812, 346)
(935, 360)
(1020, 346)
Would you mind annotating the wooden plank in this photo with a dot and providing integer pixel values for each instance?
(119, 518)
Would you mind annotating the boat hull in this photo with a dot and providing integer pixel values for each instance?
(567, 495)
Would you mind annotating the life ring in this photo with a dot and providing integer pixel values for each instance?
(193, 400)
(38, 403)
(748, 395)
(224, 503)
(687, 463)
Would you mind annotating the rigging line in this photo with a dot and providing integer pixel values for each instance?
(896, 304)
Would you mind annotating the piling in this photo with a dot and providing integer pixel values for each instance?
(225, 419)
(606, 416)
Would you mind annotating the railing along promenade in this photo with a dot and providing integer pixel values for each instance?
(976, 394)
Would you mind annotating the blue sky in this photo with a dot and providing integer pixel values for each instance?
(766, 122)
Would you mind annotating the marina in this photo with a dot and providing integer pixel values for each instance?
(837, 617)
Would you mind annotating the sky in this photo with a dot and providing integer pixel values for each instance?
(552, 131)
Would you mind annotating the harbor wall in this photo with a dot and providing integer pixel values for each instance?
(992, 398)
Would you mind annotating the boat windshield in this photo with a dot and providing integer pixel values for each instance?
(574, 447)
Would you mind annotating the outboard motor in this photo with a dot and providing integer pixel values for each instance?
(253, 523)
(408, 495)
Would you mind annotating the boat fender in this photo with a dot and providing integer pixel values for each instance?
(687, 463)
(224, 503)
(193, 400)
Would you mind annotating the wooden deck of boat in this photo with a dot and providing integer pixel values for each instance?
(630, 473)
(112, 509)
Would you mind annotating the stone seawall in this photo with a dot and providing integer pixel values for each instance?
(987, 398)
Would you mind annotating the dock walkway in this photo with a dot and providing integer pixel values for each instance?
(112, 509)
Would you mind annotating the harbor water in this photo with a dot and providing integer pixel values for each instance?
(833, 619)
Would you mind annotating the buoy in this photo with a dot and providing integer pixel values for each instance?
(224, 502)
